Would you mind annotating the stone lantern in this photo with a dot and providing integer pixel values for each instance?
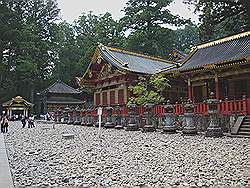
(169, 120)
(83, 117)
(77, 116)
(132, 118)
(55, 115)
(118, 117)
(213, 130)
(89, 118)
(149, 125)
(190, 127)
(66, 115)
(109, 123)
(59, 115)
(70, 114)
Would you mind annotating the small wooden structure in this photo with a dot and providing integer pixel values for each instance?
(17, 106)
(59, 95)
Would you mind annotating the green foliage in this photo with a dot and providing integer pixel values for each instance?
(149, 90)
(25, 46)
(186, 38)
(148, 20)
(220, 18)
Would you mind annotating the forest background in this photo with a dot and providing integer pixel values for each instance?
(37, 48)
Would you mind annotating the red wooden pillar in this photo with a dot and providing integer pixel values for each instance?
(190, 96)
(217, 87)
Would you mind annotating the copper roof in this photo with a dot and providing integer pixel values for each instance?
(60, 87)
(229, 49)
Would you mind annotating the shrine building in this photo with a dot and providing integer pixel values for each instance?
(17, 106)
(221, 66)
(113, 70)
(59, 95)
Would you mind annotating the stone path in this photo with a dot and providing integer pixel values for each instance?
(40, 156)
(5, 175)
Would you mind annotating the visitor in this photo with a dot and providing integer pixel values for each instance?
(31, 122)
(23, 120)
(1, 122)
(5, 123)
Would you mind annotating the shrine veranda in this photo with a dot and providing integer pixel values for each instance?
(41, 157)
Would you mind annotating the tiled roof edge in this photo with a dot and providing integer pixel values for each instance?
(222, 40)
(140, 55)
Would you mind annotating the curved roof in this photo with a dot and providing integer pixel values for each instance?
(134, 62)
(233, 48)
(17, 101)
(60, 87)
(64, 100)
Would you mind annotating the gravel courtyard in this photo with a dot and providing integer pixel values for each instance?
(41, 157)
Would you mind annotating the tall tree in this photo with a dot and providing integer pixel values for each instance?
(26, 57)
(10, 27)
(68, 54)
(186, 38)
(148, 21)
(221, 17)
(91, 30)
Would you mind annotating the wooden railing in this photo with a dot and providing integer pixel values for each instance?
(226, 107)
(229, 107)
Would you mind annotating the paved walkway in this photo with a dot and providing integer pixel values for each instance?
(5, 175)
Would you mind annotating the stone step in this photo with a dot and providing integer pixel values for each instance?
(245, 125)
(248, 124)
(243, 133)
(245, 129)
(238, 136)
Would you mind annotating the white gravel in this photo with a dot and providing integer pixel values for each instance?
(41, 157)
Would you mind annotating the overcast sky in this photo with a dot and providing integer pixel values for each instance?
(72, 9)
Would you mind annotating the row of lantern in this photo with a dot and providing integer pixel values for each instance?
(87, 117)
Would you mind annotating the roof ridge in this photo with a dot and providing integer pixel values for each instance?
(140, 55)
(222, 40)
(113, 56)
(67, 85)
(58, 82)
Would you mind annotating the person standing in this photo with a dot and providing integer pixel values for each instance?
(5, 124)
(31, 122)
(2, 125)
(23, 120)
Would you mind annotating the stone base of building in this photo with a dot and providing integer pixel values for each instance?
(131, 127)
(97, 124)
(77, 123)
(189, 131)
(83, 124)
(149, 128)
(214, 132)
(109, 125)
(169, 130)
(89, 124)
(70, 122)
(118, 127)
